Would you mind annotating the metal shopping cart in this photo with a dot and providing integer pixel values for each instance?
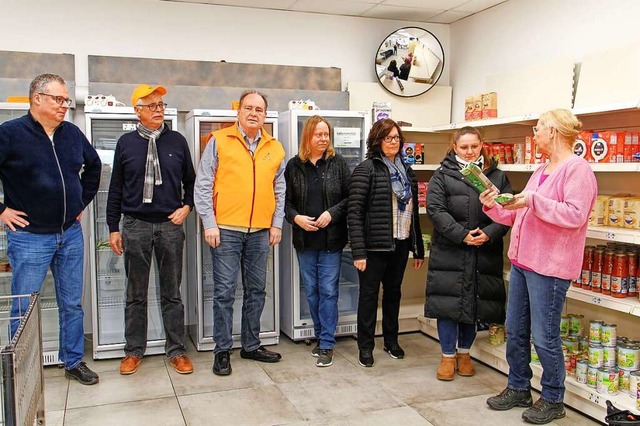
(22, 387)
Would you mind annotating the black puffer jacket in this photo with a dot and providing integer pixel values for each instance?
(464, 283)
(335, 193)
(370, 215)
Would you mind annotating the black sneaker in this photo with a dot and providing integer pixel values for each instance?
(543, 412)
(325, 359)
(394, 350)
(83, 374)
(315, 352)
(222, 363)
(365, 358)
(509, 398)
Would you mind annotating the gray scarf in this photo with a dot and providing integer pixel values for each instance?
(399, 181)
(152, 174)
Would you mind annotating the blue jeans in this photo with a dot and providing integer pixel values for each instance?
(246, 251)
(451, 332)
(534, 309)
(30, 256)
(320, 270)
(166, 241)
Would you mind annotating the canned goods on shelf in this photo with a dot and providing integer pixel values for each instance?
(609, 335)
(607, 381)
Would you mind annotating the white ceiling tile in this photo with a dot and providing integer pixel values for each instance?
(400, 13)
(428, 4)
(449, 17)
(332, 7)
(477, 5)
(258, 4)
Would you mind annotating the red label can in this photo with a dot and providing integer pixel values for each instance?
(620, 276)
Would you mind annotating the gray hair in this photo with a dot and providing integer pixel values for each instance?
(39, 83)
(251, 92)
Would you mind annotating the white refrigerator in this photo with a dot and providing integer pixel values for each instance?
(350, 130)
(199, 124)
(48, 304)
(104, 126)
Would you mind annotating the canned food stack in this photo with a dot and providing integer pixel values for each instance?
(611, 270)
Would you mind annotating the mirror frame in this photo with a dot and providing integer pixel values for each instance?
(401, 82)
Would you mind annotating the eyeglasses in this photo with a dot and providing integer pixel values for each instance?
(249, 109)
(60, 100)
(321, 135)
(535, 129)
(388, 139)
(154, 107)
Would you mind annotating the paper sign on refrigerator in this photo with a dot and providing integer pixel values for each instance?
(346, 137)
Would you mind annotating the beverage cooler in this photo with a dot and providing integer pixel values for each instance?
(48, 304)
(199, 124)
(104, 126)
(350, 130)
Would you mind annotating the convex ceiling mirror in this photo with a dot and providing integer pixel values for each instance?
(409, 61)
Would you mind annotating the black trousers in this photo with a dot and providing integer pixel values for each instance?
(386, 267)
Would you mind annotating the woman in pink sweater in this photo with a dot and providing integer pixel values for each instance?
(549, 226)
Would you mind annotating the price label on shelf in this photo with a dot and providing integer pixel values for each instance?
(528, 167)
(596, 301)
(594, 398)
(527, 117)
(610, 236)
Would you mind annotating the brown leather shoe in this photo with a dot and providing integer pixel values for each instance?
(182, 364)
(465, 367)
(129, 364)
(447, 368)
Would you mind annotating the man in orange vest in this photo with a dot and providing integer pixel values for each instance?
(239, 195)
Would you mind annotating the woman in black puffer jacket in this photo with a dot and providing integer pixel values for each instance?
(383, 227)
(316, 206)
(464, 281)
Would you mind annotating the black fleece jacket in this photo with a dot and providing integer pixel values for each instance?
(335, 195)
(52, 182)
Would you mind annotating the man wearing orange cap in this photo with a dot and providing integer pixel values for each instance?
(152, 186)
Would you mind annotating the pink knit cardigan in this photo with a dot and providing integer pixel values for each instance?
(548, 235)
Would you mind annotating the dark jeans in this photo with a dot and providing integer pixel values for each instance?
(249, 252)
(451, 332)
(386, 267)
(166, 241)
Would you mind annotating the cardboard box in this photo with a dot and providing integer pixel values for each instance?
(477, 108)
(381, 110)
(528, 150)
(489, 105)
(468, 108)
(412, 153)
(602, 145)
(582, 145)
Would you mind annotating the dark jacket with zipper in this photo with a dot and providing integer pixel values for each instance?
(335, 199)
(52, 182)
(370, 216)
(464, 283)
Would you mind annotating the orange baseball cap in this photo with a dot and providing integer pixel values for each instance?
(145, 90)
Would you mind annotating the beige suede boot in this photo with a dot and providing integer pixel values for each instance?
(447, 368)
(465, 367)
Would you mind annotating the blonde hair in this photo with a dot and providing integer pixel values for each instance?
(307, 133)
(565, 123)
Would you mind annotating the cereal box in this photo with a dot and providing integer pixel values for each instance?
(477, 108)
(489, 105)
(468, 108)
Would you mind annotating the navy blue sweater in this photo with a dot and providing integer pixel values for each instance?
(42, 178)
(127, 179)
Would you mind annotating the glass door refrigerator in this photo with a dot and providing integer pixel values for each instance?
(199, 124)
(104, 126)
(350, 130)
(48, 304)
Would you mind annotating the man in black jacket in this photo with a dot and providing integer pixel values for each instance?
(152, 185)
(50, 173)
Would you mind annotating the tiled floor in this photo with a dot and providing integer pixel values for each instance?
(291, 392)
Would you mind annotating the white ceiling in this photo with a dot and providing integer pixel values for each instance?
(428, 11)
